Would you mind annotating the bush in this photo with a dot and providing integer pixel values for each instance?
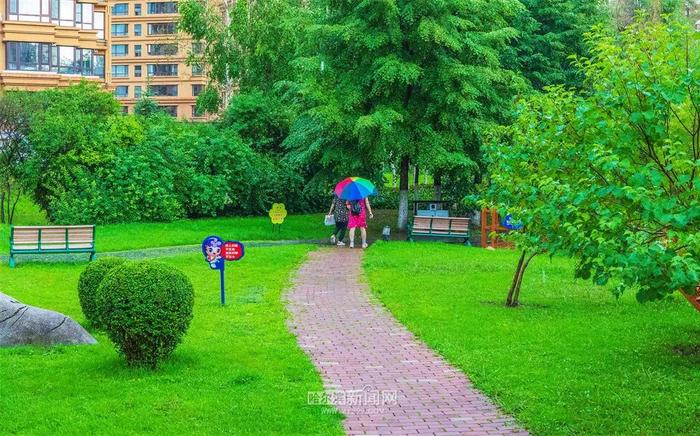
(146, 308)
(90, 280)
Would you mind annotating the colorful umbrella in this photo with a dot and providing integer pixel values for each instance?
(355, 188)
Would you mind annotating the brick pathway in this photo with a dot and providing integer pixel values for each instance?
(383, 379)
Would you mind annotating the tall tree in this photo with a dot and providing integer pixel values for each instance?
(245, 44)
(549, 32)
(15, 150)
(405, 82)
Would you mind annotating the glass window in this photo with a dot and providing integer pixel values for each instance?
(137, 50)
(162, 28)
(163, 90)
(121, 91)
(197, 70)
(196, 113)
(125, 110)
(84, 16)
(99, 24)
(120, 9)
(137, 9)
(162, 7)
(120, 49)
(120, 29)
(162, 69)
(197, 89)
(137, 92)
(98, 65)
(170, 110)
(162, 49)
(137, 30)
(28, 10)
(137, 70)
(120, 71)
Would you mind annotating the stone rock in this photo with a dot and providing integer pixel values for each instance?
(21, 324)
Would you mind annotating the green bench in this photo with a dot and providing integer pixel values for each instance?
(51, 240)
(440, 227)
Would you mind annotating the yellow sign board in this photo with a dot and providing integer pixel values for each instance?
(278, 213)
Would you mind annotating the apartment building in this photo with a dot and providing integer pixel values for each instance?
(51, 43)
(131, 47)
(148, 55)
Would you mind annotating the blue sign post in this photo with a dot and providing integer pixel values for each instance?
(217, 252)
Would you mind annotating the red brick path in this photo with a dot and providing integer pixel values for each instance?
(383, 379)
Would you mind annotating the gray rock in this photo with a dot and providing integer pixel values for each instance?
(21, 324)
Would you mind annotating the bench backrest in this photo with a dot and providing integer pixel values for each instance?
(39, 238)
(453, 225)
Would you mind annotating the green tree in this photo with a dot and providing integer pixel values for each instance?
(612, 176)
(403, 81)
(549, 33)
(15, 150)
(245, 45)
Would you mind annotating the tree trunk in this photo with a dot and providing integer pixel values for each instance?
(516, 296)
(2, 208)
(416, 182)
(11, 210)
(437, 186)
(514, 284)
(403, 195)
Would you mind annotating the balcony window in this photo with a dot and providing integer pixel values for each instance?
(98, 66)
(120, 71)
(121, 91)
(162, 49)
(32, 56)
(120, 29)
(163, 90)
(84, 16)
(99, 25)
(120, 9)
(63, 12)
(28, 10)
(162, 8)
(120, 49)
(162, 28)
(162, 70)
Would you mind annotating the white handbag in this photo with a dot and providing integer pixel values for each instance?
(329, 221)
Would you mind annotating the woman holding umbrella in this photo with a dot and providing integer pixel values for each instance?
(356, 191)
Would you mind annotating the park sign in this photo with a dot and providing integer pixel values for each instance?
(278, 213)
(217, 252)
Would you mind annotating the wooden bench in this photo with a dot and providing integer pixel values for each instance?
(440, 227)
(51, 240)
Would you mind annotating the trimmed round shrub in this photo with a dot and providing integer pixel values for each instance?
(90, 280)
(146, 308)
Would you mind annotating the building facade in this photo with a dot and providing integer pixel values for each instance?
(51, 43)
(131, 47)
(148, 56)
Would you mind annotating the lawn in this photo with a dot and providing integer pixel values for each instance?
(238, 369)
(131, 236)
(571, 360)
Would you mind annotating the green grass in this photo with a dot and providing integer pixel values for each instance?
(238, 370)
(132, 236)
(571, 360)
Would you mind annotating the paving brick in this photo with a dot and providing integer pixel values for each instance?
(379, 375)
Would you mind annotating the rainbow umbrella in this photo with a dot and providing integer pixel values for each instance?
(355, 188)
